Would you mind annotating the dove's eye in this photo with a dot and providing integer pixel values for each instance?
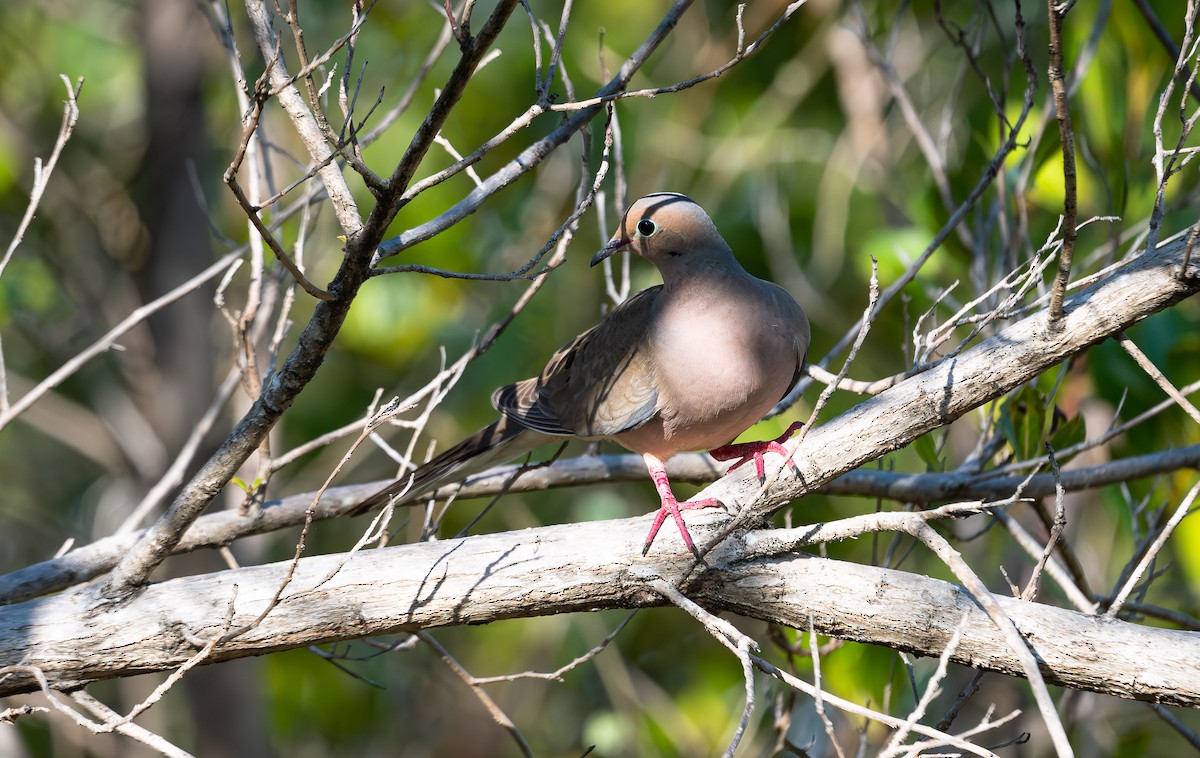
(646, 228)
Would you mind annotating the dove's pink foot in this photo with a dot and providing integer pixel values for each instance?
(755, 450)
(670, 506)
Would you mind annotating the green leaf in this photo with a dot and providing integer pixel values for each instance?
(927, 449)
(249, 489)
(1023, 422)
(1070, 432)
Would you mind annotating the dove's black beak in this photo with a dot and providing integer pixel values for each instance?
(615, 245)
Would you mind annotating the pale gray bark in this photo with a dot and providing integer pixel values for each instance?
(224, 527)
(570, 568)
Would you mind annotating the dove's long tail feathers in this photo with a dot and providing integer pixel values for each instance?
(494, 444)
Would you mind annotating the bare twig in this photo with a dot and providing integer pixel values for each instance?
(10, 715)
(497, 714)
(743, 51)
(531, 156)
(344, 205)
(1183, 729)
(557, 674)
(1159, 378)
(249, 129)
(1067, 137)
(474, 49)
(414, 85)
(42, 172)
(934, 158)
(1164, 36)
(921, 530)
(1032, 547)
(814, 654)
(1136, 576)
(183, 459)
(868, 318)
(110, 717)
(883, 718)
(558, 240)
(728, 635)
(1060, 522)
(1165, 161)
(109, 340)
(41, 178)
(895, 745)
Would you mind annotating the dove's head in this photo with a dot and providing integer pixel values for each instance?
(671, 231)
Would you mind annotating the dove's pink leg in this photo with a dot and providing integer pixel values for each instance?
(755, 450)
(671, 506)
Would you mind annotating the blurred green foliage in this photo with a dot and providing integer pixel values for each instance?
(807, 166)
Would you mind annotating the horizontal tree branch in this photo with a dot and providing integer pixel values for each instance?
(224, 527)
(561, 569)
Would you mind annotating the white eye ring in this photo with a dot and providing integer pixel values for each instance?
(646, 228)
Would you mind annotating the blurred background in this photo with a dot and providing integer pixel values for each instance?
(808, 164)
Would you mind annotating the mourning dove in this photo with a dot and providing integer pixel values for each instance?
(687, 365)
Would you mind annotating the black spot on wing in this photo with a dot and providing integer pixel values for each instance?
(520, 403)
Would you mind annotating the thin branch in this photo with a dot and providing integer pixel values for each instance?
(414, 85)
(345, 207)
(557, 674)
(558, 240)
(728, 635)
(110, 717)
(308, 67)
(474, 49)
(1034, 549)
(42, 172)
(1159, 541)
(1164, 36)
(921, 530)
(41, 179)
(883, 718)
(1067, 137)
(1183, 729)
(819, 694)
(1164, 161)
(932, 690)
(251, 210)
(109, 340)
(488, 703)
(215, 529)
(1159, 378)
(925, 141)
(1060, 522)
(174, 475)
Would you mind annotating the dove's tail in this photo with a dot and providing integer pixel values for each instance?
(494, 444)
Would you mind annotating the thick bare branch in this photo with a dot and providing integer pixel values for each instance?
(216, 529)
(568, 568)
